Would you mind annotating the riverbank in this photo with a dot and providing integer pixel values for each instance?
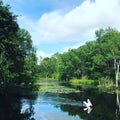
(74, 86)
(54, 86)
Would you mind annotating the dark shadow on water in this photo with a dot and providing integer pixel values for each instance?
(104, 105)
(11, 106)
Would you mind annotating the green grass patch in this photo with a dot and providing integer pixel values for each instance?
(106, 82)
(56, 89)
(54, 86)
(44, 88)
(83, 82)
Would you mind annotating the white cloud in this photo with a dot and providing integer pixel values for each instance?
(77, 24)
(40, 54)
(43, 54)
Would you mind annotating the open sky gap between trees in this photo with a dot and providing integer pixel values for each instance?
(97, 60)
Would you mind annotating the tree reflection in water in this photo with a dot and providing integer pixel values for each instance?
(10, 109)
(104, 106)
(117, 105)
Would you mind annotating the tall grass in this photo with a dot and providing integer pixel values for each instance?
(106, 82)
(83, 81)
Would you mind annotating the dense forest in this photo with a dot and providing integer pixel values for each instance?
(18, 61)
(96, 60)
(30, 87)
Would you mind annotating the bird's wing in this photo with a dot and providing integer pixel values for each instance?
(89, 102)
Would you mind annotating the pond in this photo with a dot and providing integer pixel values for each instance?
(61, 106)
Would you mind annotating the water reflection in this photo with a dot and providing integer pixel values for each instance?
(88, 109)
(49, 106)
(10, 109)
(104, 106)
(117, 105)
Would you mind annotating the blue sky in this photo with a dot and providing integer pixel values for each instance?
(58, 25)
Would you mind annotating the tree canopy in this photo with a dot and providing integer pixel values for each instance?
(98, 59)
(17, 54)
(95, 59)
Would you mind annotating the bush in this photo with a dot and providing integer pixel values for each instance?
(106, 81)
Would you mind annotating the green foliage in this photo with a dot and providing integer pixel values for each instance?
(49, 67)
(81, 82)
(54, 86)
(95, 59)
(8, 45)
(18, 61)
(106, 82)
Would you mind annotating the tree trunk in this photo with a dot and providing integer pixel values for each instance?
(116, 66)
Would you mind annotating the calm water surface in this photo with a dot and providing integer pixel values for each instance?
(50, 106)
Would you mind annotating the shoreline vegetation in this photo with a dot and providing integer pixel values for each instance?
(54, 86)
(72, 86)
(95, 64)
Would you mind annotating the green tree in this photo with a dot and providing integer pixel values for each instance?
(68, 63)
(16, 50)
(47, 67)
(110, 49)
(8, 30)
(96, 59)
(28, 59)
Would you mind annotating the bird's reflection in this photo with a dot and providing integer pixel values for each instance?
(88, 109)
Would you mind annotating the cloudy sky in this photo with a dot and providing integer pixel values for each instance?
(57, 25)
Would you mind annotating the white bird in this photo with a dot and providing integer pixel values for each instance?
(87, 103)
(89, 109)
